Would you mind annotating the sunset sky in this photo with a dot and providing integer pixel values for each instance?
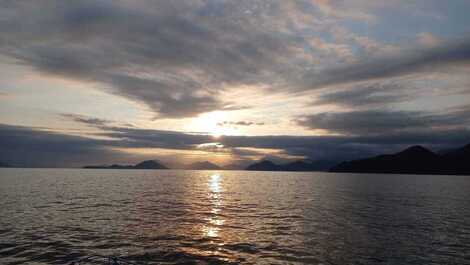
(99, 82)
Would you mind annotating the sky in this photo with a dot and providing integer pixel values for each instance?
(231, 82)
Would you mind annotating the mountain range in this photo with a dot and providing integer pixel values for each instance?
(413, 160)
(205, 165)
(148, 164)
(300, 165)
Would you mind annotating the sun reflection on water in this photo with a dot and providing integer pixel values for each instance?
(212, 228)
(214, 183)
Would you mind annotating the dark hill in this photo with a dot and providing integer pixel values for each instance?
(148, 164)
(458, 161)
(413, 160)
(459, 153)
(299, 165)
(233, 166)
(264, 165)
(116, 166)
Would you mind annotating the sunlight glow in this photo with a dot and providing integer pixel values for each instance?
(210, 123)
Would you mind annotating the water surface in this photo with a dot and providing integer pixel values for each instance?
(55, 216)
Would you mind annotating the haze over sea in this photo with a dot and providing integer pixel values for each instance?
(56, 216)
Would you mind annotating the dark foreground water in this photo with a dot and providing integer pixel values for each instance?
(55, 216)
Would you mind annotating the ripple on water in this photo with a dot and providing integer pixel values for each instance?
(189, 217)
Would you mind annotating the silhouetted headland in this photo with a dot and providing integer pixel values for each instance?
(413, 160)
(148, 164)
(266, 165)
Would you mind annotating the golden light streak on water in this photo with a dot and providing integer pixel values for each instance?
(212, 228)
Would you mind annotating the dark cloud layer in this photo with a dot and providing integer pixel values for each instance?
(383, 122)
(85, 120)
(177, 56)
(35, 147)
(389, 66)
(23, 146)
(174, 56)
(366, 95)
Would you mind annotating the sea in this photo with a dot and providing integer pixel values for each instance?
(82, 216)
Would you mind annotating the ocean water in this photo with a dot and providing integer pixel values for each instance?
(57, 216)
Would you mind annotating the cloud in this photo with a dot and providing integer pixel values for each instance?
(367, 95)
(176, 57)
(389, 66)
(173, 57)
(331, 50)
(428, 39)
(86, 120)
(343, 10)
(384, 122)
(24, 146)
(168, 100)
(240, 123)
(4, 95)
(27, 146)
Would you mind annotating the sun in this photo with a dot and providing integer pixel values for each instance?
(211, 123)
(216, 135)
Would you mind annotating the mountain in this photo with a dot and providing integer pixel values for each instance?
(206, 165)
(148, 164)
(2, 164)
(264, 165)
(116, 166)
(237, 165)
(113, 166)
(300, 165)
(458, 161)
(233, 167)
(413, 160)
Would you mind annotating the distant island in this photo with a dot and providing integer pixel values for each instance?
(148, 164)
(413, 160)
(266, 165)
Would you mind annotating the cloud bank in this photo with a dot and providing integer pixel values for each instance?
(25, 146)
(177, 57)
(367, 91)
